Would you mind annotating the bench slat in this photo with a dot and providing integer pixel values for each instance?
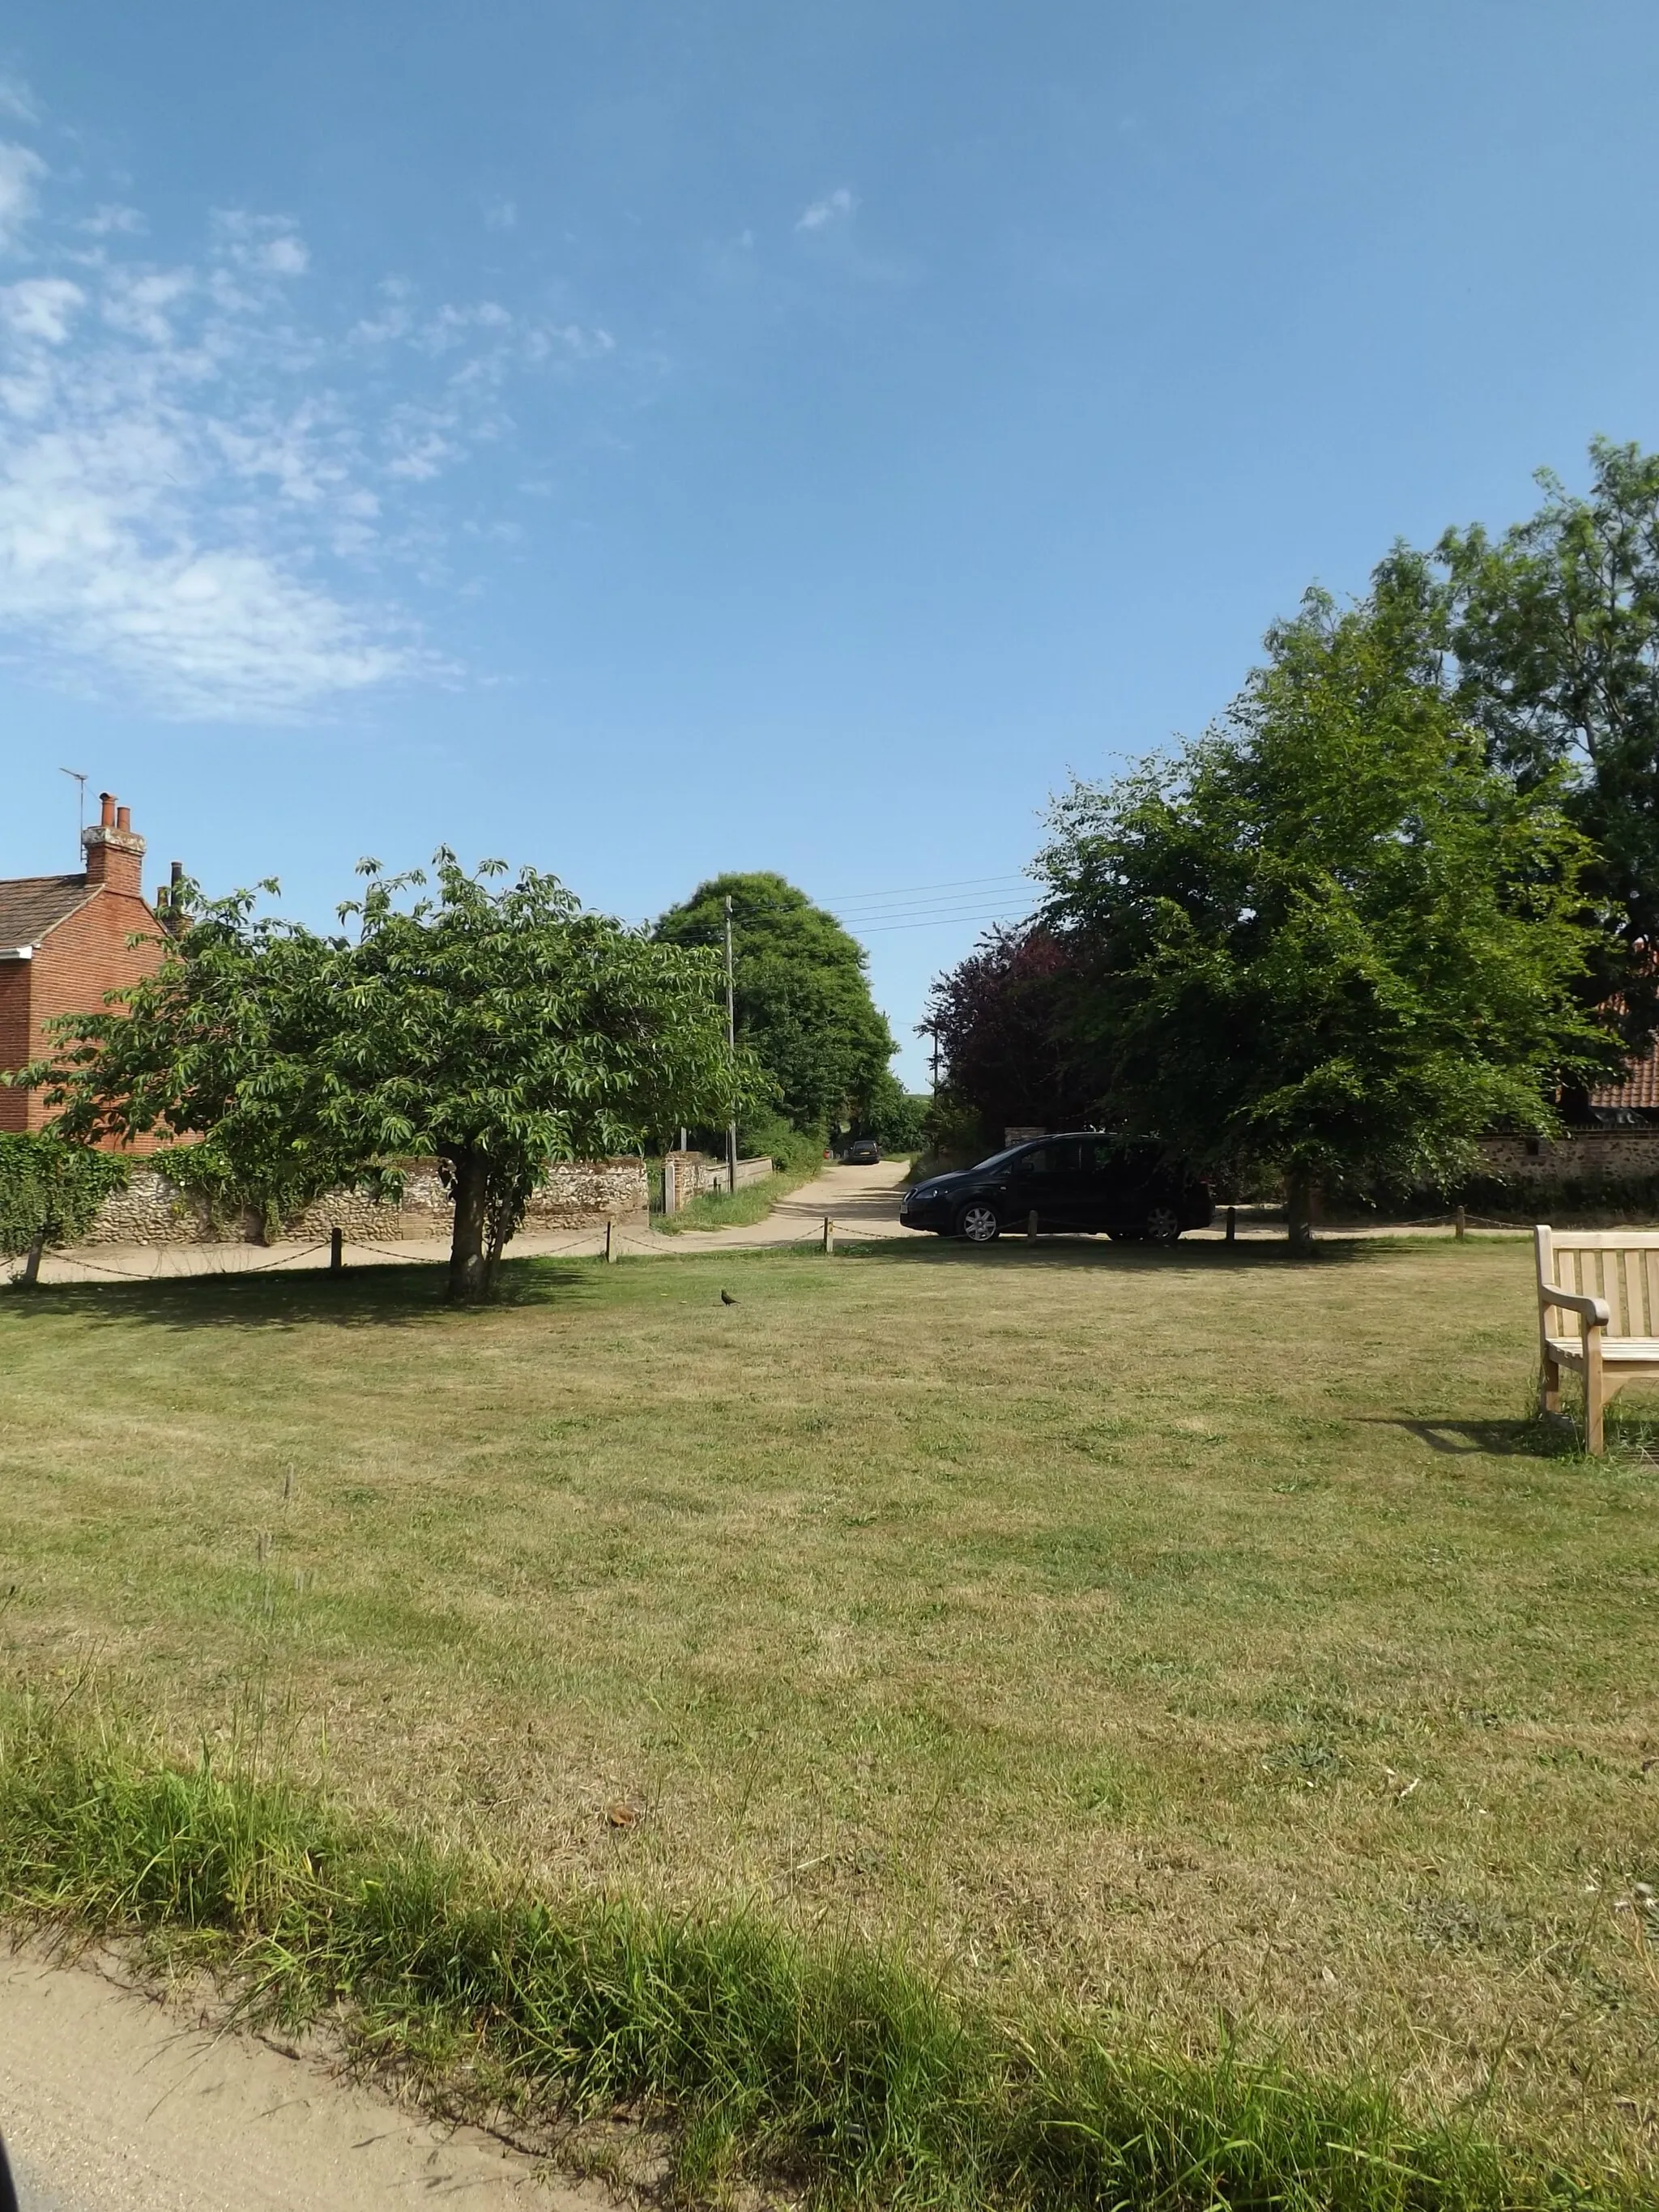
(1617, 1294)
(1616, 1351)
(1604, 1240)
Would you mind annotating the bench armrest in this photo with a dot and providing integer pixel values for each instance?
(1595, 1311)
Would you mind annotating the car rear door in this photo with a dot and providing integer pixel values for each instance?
(1049, 1181)
(1101, 1200)
(1120, 1186)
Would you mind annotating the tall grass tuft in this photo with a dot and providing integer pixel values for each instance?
(834, 2071)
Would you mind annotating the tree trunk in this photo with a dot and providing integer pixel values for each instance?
(469, 1272)
(32, 1264)
(493, 1250)
(1298, 1206)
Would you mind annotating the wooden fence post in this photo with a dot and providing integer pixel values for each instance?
(1032, 1226)
(1232, 1224)
(1461, 1220)
(670, 1186)
(611, 1255)
(337, 1250)
(829, 1233)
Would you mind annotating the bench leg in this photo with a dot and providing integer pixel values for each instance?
(1595, 1408)
(1549, 1388)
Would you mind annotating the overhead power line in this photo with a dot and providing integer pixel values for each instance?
(915, 891)
(943, 922)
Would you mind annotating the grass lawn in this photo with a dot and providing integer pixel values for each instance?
(741, 1208)
(1210, 1640)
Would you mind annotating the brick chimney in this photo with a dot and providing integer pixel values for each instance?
(115, 853)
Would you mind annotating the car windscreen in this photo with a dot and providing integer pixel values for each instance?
(998, 1159)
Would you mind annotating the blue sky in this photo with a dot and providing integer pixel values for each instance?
(642, 440)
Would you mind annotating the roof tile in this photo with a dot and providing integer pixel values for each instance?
(1640, 1086)
(32, 905)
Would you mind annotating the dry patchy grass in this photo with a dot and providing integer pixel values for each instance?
(1203, 1637)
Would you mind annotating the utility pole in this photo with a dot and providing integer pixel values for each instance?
(731, 1046)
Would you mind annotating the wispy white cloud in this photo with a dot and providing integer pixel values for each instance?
(501, 215)
(113, 219)
(40, 307)
(17, 102)
(838, 206)
(452, 326)
(21, 173)
(200, 487)
(264, 245)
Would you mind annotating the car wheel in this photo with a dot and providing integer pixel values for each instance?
(1162, 1226)
(977, 1222)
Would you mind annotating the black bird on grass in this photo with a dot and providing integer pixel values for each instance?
(726, 1298)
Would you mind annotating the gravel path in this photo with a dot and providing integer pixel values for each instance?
(110, 2102)
(864, 1201)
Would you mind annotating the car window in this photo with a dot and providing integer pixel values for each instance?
(1049, 1160)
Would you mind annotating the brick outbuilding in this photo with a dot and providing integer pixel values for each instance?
(63, 944)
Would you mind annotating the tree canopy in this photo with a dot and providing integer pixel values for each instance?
(1330, 935)
(49, 1189)
(495, 1026)
(803, 1008)
(1555, 627)
(999, 1019)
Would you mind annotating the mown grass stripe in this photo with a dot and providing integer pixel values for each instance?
(835, 2071)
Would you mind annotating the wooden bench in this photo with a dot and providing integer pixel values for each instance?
(1598, 1312)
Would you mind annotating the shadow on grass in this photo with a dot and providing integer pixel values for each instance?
(1212, 1257)
(1518, 1439)
(364, 1297)
(400, 1297)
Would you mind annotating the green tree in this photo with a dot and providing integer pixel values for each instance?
(49, 1189)
(804, 1007)
(1555, 626)
(1330, 936)
(999, 1020)
(494, 1028)
(895, 1117)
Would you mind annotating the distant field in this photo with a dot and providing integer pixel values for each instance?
(1199, 1636)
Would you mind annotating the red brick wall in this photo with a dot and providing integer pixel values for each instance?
(14, 1038)
(85, 956)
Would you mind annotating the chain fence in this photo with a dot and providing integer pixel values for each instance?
(657, 1246)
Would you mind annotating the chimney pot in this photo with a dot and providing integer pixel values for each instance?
(114, 850)
(177, 871)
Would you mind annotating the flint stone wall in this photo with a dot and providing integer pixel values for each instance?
(573, 1195)
(695, 1175)
(1606, 1155)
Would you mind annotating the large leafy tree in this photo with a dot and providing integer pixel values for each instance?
(494, 1025)
(804, 1007)
(1330, 935)
(1000, 1021)
(49, 1189)
(1555, 626)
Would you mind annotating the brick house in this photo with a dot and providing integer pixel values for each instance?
(63, 944)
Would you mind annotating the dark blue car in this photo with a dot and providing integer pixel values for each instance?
(1086, 1183)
